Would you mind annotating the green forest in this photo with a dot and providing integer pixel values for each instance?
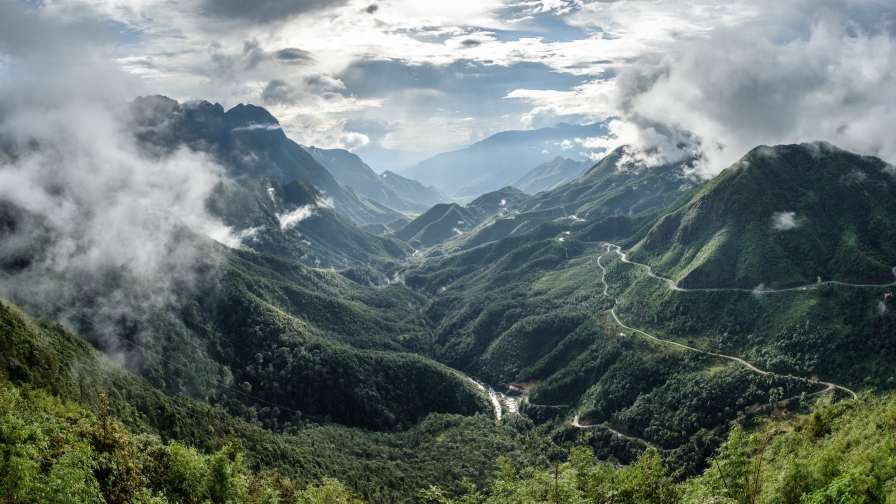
(520, 360)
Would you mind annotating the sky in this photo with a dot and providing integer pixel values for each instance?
(710, 79)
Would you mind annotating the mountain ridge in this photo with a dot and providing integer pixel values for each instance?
(498, 160)
(781, 216)
(248, 141)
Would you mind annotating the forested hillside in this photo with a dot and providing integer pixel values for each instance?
(782, 216)
(455, 358)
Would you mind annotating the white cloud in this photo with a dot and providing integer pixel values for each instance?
(784, 221)
(715, 77)
(289, 220)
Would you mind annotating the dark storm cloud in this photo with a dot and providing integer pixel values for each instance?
(293, 55)
(278, 92)
(372, 8)
(462, 78)
(232, 66)
(471, 43)
(263, 11)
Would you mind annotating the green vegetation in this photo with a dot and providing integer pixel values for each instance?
(838, 452)
(781, 216)
(316, 235)
(50, 373)
(448, 221)
(261, 377)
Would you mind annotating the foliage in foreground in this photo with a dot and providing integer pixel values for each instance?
(60, 452)
(839, 453)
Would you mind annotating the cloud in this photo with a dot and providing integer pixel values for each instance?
(293, 55)
(706, 78)
(290, 219)
(784, 221)
(278, 91)
(333, 136)
(739, 87)
(265, 11)
(91, 221)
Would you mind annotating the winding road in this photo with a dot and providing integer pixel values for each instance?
(758, 290)
(828, 385)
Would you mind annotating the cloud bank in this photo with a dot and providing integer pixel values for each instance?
(88, 221)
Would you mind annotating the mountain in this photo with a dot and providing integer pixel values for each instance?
(448, 220)
(348, 169)
(248, 141)
(617, 185)
(413, 190)
(382, 159)
(781, 216)
(294, 220)
(116, 438)
(554, 173)
(498, 160)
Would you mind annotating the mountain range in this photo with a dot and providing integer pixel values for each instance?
(474, 351)
(249, 142)
(499, 160)
(397, 192)
(782, 216)
(554, 173)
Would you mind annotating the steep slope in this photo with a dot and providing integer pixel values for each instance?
(554, 173)
(413, 190)
(51, 383)
(782, 216)
(249, 142)
(498, 160)
(437, 225)
(294, 221)
(350, 170)
(446, 221)
(617, 185)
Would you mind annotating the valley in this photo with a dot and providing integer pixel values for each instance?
(325, 340)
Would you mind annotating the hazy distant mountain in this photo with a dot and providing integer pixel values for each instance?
(547, 176)
(248, 141)
(781, 216)
(413, 190)
(350, 170)
(381, 159)
(500, 159)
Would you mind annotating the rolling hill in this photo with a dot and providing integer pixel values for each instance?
(443, 222)
(616, 185)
